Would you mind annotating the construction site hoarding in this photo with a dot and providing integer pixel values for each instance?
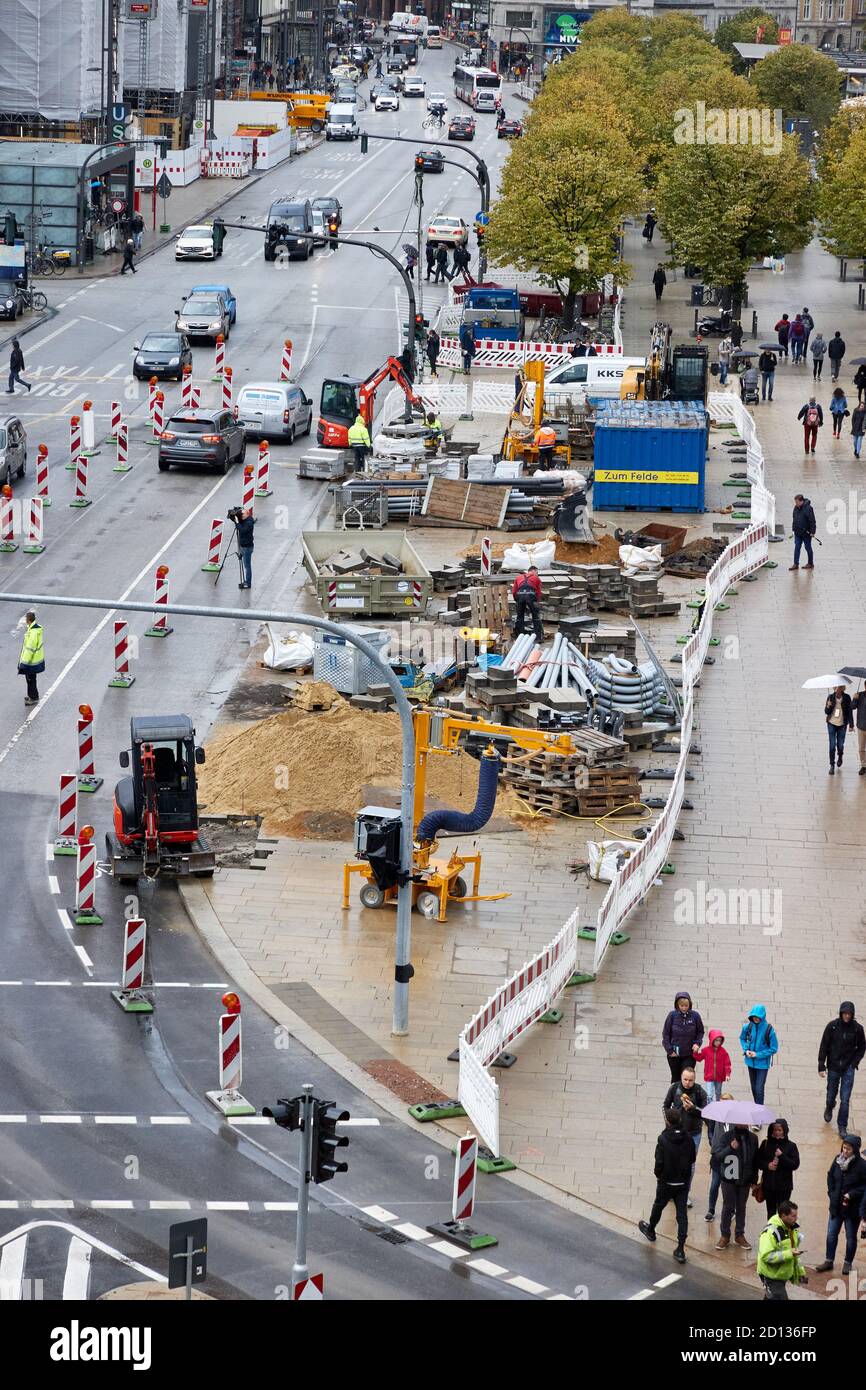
(165, 63)
(50, 58)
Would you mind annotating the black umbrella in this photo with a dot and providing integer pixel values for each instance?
(859, 672)
(744, 352)
(857, 361)
(768, 347)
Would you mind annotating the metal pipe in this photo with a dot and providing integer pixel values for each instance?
(402, 966)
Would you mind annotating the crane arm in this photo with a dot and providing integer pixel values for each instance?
(393, 368)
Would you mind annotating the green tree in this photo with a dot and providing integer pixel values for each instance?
(834, 141)
(744, 27)
(799, 82)
(615, 28)
(841, 211)
(566, 187)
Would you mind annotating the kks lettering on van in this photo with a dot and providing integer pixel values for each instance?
(77, 1343)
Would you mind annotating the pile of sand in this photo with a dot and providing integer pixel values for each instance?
(297, 765)
(604, 552)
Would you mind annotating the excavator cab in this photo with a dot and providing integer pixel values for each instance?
(338, 409)
(155, 806)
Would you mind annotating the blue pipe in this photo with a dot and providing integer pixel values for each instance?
(434, 821)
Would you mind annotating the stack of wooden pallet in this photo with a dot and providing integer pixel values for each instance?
(608, 789)
(555, 783)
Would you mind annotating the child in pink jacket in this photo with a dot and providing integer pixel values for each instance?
(717, 1067)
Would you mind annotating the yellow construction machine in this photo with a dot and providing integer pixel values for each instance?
(648, 383)
(526, 416)
(438, 881)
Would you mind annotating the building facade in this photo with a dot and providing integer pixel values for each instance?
(836, 24)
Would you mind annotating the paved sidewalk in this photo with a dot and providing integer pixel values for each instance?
(582, 1107)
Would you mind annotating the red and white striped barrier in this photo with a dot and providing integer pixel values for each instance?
(417, 593)
(74, 442)
(66, 840)
(219, 359)
(227, 388)
(160, 628)
(42, 475)
(152, 388)
(35, 528)
(85, 881)
(186, 388)
(286, 362)
(158, 416)
(130, 996)
(80, 499)
(249, 486)
(88, 430)
(264, 465)
(121, 680)
(8, 542)
(87, 779)
(194, 395)
(465, 1167)
(493, 352)
(486, 556)
(215, 546)
(228, 1098)
(116, 416)
(123, 465)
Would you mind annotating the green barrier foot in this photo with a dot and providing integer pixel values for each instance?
(459, 1234)
(722, 608)
(731, 593)
(769, 565)
(587, 933)
(579, 977)
(132, 1001)
(210, 569)
(80, 502)
(88, 919)
(158, 631)
(65, 846)
(683, 639)
(436, 1110)
(33, 550)
(122, 468)
(88, 783)
(667, 869)
(741, 516)
(552, 1016)
(488, 1164)
(619, 938)
(121, 682)
(6, 547)
(716, 641)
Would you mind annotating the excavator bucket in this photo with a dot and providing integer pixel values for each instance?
(571, 521)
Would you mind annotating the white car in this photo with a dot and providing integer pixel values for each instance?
(451, 230)
(437, 99)
(196, 243)
(414, 87)
(387, 101)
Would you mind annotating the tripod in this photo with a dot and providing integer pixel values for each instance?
(237, 552)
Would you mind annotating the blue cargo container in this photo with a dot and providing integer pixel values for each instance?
(650, 455)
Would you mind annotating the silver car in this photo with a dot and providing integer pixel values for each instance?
(204, 316)
(276, 410)
(13, 449)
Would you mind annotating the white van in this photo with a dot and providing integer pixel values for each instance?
(434, 36)
(276, 410)
(579, 377)
(341, 121)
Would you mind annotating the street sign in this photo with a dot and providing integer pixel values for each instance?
(483, 218)
(187, 1253)
(308, 1290)
(164, 186)
(118, 205)
(119, 117)
(139, 9)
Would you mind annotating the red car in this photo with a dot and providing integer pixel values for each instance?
(462, 128)
(509, 130)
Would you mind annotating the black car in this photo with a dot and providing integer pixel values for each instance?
(161, 355)
(331, 207)
(11, 299)
(288, 215)
(396, 63)
(509, 130)
(461, 128)
(210, 437)
(434, 162)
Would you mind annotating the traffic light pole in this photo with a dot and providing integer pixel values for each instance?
(300, 1270)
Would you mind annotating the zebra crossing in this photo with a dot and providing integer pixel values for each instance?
(54, 1260)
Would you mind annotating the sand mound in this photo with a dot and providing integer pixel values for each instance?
(296, 765)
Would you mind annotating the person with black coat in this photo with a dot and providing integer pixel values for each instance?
(835, 352)
(432, 350)
(441, 263)
(841, 1050)
(804, 526)
(778, 1160)
(860, 381)
(737, 1156)
(672, 1168)
(462, 261)
(687, 1097)
(858, 704)
(16, 367)
(846, 1189)
(129, 258)
(430, 254)
(659, 280)
(682, 1034)
(649, 227)
(839, 715)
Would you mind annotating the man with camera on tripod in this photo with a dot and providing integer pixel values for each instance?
(244, 523)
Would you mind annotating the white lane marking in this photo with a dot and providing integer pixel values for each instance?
(344, 1124)
(109, 1204)
(169, 1206)
(379, 1213)
(65, 921)
(49, 853)
(280, 1206)
(177, 984)
(19, 1236)
(257, 255)
(642, 1294)
(170, 1120)
(667, 1281)
(250, 1120)
(83, 956)
(76, 1280)
(227, 1206)
(53, 884)
(102, 323)
(34, 347)
(49, 1203)
(560, 1298)
(413, 1232)
(308, 350)
(60, 1119)
(402, 179)
(11, 982)
(13, 1119)
(105, 984)
(527, 1285)
(453, 1252)
(8, 1206)
(487, 1267)
(115, 1119)
(49, 983)
(12, 1258)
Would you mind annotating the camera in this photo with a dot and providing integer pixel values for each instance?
(235, 514)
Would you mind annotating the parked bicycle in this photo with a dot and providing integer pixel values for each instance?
(34, 299)
(48, 261)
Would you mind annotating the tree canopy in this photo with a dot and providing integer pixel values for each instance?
(799, 82)
(745, 28)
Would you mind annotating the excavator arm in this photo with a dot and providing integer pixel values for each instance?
(392, 369)
(150, 799)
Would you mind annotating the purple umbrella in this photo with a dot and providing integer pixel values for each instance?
(738, 1112)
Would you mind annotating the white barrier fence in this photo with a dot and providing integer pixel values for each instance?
(459, 398)
(515, 1006)
(493, 352)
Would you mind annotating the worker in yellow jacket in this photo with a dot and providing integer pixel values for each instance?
(545, 443)
(779, 1249)
(359, 440)
(31, 660)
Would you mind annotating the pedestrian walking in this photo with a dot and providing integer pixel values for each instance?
(649, 227)
(245, 529)
(835, 352)
(858, 427)
(778, 1161)
(688, 1097)
(672, 1168)
(136, 226)
(838, 410)
(760, 1045)
(737, 1156)
(804, 526)
(846, 1189)
(797, 338)
(860, 381)
(467, 347)
(411, 259)
(779, 1253)
(840, 718)
(462, 261)
(682, 1034)
(128, 257)
(858, 705)
(430, 255)
(526, 591)
(31, 658)
(659, 280)
(813, 418)
(782, 331)
(545, 443)
(441, 263)
(432, 350)
(819, 352)
(726, 347)
(16, 367)
(719, 1127)
(736, 332)
(767, 363)
(359, 440)
(809, 326)
(717, 1068)
(840, 1052)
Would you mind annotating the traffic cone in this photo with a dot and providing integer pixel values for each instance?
(160, 628)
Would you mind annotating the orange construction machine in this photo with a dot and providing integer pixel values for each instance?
(344, 396)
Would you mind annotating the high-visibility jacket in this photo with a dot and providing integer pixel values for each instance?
(33, 648)
(436, 425)
(777, 1252)
(359, 435)
(545, 437)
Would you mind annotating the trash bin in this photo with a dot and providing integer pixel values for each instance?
(697, 295)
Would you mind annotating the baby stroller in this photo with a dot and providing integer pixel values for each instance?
(749, 394)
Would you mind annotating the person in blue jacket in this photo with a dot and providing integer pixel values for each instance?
(760, 1044)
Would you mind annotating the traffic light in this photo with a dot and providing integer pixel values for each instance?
(333, 226)
(326, 1141)
(285, 1113)
(421, 326)
(419, 163)
(479, 232)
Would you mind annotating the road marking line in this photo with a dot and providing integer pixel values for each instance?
(8, 1206)
(110, 1205)
(560, 1298)
(169, 1206)
(170, 1120)
(487, 1267)
(642, 1294)
(115, 1119)
(667, 1281)
(358, 1121)
(49, 853)
(280, 1206)
(379, 1213)
(227, 1206)
(34, 347)
(250, 1120)
(308, 349)
(453, 1252)
(51, 1202)
(102, 323)
(11, 982)
(65, 921)
(413, 1232)
(76, 1280)
(12, 1270)
(48, 983)
(53, 884)
(60, 1119)
(13, 1119)
(83, 956)
(527, 1285)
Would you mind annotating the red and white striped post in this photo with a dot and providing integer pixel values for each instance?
(249, 486)
(486, 557)
(121, 680)
(228, 1098)
(186, 388)
(465, 1166)
(85, 881)
(74, 442)
(66, 840)
(286, 362)
(152, 388)
(123, 465)
(214, 547)
(227, 388)
(35, 544)
(219, 360)
(194, 395)
(88, 430)
(130, 996)
(160, 628)
(80, 499)
(8, 542)
(42, 475)
(87, 779)
(116, 416)
(158, 417)
(262, 488)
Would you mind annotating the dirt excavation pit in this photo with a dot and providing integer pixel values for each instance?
(307, 774)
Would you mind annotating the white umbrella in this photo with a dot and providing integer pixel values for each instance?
(826, 682)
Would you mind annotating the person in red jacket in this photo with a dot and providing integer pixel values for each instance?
(526, 590)
(717, 1067)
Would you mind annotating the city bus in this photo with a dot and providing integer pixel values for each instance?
(478, 87)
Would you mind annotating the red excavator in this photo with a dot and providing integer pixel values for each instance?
(344, 396)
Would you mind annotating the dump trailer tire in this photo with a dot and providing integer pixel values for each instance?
(372, 895)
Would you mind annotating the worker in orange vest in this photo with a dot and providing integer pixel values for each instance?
(545, 443)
